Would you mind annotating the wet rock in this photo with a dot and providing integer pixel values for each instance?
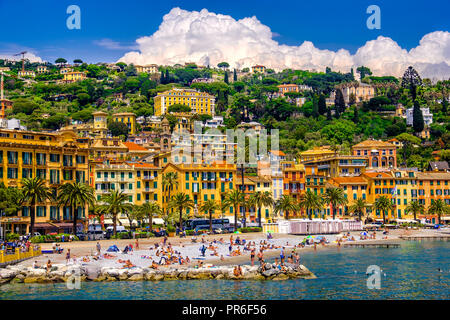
(270, 272)
(136, 277)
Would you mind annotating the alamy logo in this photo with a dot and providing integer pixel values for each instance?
(374, 279)
(374, 21)
(74, 20)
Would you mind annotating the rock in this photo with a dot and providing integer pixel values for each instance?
(31, 280)
(270, 272)
(158, 277)
(136, 277)
(112, 272)
(8, 273)
(134, 271)
(57, 273)
(220, 276)
(100, 278)
(280, 276)
(92, 272)
(36, 272)
(123, 276)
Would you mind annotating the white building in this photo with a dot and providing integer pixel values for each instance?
(427, 116)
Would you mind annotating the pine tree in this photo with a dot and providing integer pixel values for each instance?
(315, 112)
(322, 104)
(329, 114)
(167, 77)
(234, 75)
(225, 79)
(162, 80)
(418, 123)
(339, 101)
(444, 103)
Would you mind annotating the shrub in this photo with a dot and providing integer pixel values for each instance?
(171, 228)
(12, 236)
(189, 232)
(250, 229)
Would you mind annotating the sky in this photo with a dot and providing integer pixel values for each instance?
(109, 30)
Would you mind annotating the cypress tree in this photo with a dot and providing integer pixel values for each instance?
(418, 123)
(355, 115)
(162, 80)
(234, 75)
(444, 103)
(167, 77)
(339, 101)
(225, 79)
(322, 104)
(315, 112)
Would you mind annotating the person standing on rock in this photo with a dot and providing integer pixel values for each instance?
(252, 256)
(68, 256)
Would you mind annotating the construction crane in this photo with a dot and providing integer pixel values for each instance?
(23, 59)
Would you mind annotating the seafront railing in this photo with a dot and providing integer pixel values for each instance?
(18, 255)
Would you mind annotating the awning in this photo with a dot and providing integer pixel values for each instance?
(44, 225)
(66, 224)
(445, 218)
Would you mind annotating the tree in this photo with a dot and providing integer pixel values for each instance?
(339, 102)
(260, 199)
(384, 204)
(75, 195)
(418, 123)
(209, 206)
(352, 99)
(411, 80)
(329, 114)
(358, 208)
(415, 208)
(118, 129)
(78, 61)
(223, 65)
(60, 61)
(181, 201)
(439, 208)
(315, 112)
(322, 104)
(98, 211)
(169, 181)
(234, 75)
(234, 199)
(151, 210)
(363, 71)
(335, 197)
(310, 201)
(225, 79)
(115, 204)
(285, 204)
(34, 192)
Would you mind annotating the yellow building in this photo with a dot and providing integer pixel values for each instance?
(199, 102)
(96, 129)
(203, 182)
(336, 165)
(74, 76)
(26, 73)
(432, 186)
(56, 158)
(128, 118)
(316, 153)
(148, 181)
(41, 69)
(258, 68)
(354, 188)
(151, 68)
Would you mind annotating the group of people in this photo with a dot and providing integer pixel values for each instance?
(23, 245)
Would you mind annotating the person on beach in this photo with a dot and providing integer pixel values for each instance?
(136, 244)
(222, 258)
(68, 256)
(282, 255)
(49, 266)
(99, 247)
(252, 256)
(237, 271)
(297, 258)
(261, 257)
(165, 240)
(36, 265)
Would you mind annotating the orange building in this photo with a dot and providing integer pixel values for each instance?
(293, 180)
(354, 188)
(433, 186)
(380, 154)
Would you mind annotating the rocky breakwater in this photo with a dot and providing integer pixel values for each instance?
(63, 273)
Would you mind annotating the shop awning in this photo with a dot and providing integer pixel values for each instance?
(43, 225)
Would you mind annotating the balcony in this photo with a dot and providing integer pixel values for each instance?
(148, 178)
(147, 190)
(323, 166)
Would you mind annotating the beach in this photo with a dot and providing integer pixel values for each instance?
(185, 248)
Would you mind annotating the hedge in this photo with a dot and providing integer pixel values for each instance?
(53, 238)
(250, 229)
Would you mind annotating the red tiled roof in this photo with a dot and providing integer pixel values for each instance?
(134, 147)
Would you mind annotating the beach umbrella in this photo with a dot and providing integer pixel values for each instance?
(310, 237)
(269, 231)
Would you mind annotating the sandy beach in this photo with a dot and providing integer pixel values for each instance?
(186, 248)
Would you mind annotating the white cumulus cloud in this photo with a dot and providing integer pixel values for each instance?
(29, 55)
(208, 38)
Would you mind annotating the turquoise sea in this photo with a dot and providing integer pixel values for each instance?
(416, 270)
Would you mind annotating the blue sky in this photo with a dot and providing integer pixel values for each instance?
(40, 26)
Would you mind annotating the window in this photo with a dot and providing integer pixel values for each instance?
(12, 173)
(41, 159)
(12, 157)
(27, 173)
(80, 159)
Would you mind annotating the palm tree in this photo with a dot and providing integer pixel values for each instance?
(260, 199)
(75, 195)
(415, 207)
(169, 181)
(116, 203)
(358, 207)
(439, 208)
(335, 197)
(181, 201)
(209, 206)
(286, 204)
(152, 210)
(234, 199)
(34, 191)
(97, 211)
(384, 204)
(311, 201)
